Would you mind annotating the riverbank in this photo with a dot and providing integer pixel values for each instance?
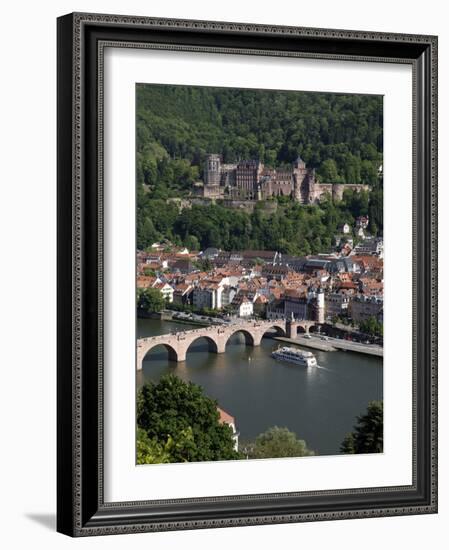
(334, 344)
(307, 343)
(168, 316)
(188, 322)
(356, 347)
(141, 314)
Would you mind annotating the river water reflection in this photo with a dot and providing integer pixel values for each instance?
(319, 405)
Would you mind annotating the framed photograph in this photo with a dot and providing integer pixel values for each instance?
(246, 274)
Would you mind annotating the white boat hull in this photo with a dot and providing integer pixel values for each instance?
(302, 362)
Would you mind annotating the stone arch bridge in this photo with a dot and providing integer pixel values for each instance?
(178, 343)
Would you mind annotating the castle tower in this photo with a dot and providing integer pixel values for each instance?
(296, 188)
(212, 170)
(300, 176)
(299, 164)
(247, 178)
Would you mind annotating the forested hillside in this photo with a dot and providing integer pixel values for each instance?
(177, 126)
(292, 229)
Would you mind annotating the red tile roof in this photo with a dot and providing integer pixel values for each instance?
(225, 418)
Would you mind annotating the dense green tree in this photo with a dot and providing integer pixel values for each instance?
(277, 443)
(203, 265)
(150, 300)
(369, 173)
(192, 242)
(152, 451)
(292, 229)
(146, 233)
(372, 326)
(352, 168)
(367, 436)
(328, 171)
(376, 209)
(356, 203)
(173, 410)
(347, 446)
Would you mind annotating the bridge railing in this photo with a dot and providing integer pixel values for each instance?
(213, 329)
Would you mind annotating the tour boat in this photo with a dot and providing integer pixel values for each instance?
(297, 356)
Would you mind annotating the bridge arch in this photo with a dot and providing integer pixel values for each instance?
(210, 341)
(172, 352)
(280, 329)
(249, 337)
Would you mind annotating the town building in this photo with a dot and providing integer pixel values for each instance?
(260, 305)
(275, 309)
(210, 253)
(370, 286)
(147, 281)
(370, 246)
(345, 228)
(369, 264)
(336, 305)
(207, 296)
(182, 293)
(227, 295)
(166, 290)
(244, 307)
(295, 306)
(362, 222)
(183, 266)
(226, 418)
(277, 272)
(365, 307)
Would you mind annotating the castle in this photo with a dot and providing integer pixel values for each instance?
(251, 180)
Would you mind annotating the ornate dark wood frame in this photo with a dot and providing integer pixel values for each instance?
(81, 507)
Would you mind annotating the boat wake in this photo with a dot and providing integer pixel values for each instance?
(323, 368)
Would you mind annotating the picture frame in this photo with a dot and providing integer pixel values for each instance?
(81, 507)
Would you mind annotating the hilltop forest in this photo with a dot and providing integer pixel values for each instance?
(177, 126)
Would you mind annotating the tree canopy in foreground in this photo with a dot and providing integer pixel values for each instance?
(178, 423)
(367, 436)
(277, 443)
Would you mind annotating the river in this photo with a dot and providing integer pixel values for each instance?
(320, 405)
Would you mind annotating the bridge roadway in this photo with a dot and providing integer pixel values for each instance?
(178, 343)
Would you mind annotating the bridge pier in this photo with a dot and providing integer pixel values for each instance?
(257, 339)
(292, 327)
(180, 356)
(139, 358)
(221, 346)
